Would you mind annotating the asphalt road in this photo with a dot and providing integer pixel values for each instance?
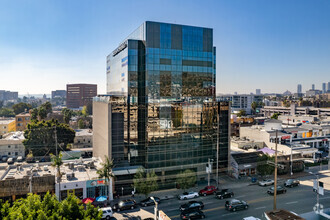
(299, 199)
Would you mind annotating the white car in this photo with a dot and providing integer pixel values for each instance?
(107, 213)
(251, 218)
(266, 182)
(188, 195)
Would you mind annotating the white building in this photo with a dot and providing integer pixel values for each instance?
(241, 102)
(83, 138)
(11, 145)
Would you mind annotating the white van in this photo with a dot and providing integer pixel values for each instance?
(19, 159)
(107, 213)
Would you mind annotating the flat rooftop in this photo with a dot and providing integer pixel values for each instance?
(81, 170)
(282, 215)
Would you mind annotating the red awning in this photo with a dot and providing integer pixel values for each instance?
(286, 137)
(325, 139)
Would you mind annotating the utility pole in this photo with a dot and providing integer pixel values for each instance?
(318, 203)
(208, 172)
(218, 147)
(275, 173)
(291, 162)
(59, 177)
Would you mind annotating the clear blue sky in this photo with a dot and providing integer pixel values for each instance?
(271, 45)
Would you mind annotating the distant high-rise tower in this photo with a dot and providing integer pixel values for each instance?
(258, 91)
(324, 87)
(313, 86)
(299, 89)
(328, 87)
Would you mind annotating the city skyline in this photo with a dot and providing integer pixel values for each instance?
(270, 46)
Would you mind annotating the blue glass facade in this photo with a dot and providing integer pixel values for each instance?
(170, 116)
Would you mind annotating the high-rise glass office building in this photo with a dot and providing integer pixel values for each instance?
(164, 76)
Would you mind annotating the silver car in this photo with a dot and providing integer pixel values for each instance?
(266, 182)
(188, 195)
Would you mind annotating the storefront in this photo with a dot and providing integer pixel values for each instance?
(78, 188)
(96, 188)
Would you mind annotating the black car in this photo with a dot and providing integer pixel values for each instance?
(234, 205)
(279, 190)
(291, 183)
(148, 201)
(192, 205)
(192, 214)
(225, 193)
(124, 204)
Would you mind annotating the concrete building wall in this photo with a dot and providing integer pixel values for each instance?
(101, 129)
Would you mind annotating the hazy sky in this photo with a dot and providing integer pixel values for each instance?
(271, 45)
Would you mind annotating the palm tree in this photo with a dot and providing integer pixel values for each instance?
(106, 173)
(57, 162)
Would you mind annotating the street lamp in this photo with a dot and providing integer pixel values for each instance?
(156, 207)
(209, 170)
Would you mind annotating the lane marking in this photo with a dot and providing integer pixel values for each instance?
(262, 207)
(237, 197)
(291, 202)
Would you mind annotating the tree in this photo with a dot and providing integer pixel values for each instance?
(34, 114)
(48, 207)
(21, 107)
(241, 113)
(1, 104)
(144, 182)
(67, 114)
(7, 112)
(81, 124)
(48, 107)
(275, 115)
(57, 163)
(84, 111)
(40, 137)
(106, 173)
(262, 167)
(42, 113)
(254, 106)
(186, 179)
(90, 108)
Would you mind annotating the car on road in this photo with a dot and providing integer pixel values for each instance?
(107, 213)
(188, 195)
(192, 214)
(266, 182)
(19, 159)
(224, 193)
(234, 205)
(192, 205)
(208, 190)
(251, 218)
(124, 205)
(148, 201)
(10, 160)
(280, 190)
(291, 183)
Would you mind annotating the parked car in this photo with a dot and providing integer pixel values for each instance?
(279, 190)
(224, 193)
(234, 205)
(266, 182)
(192, 205)
(124, 204)
(148, 201)
(188, 195)
(107, 213)
(10, 161)
(19, 159)
(251, 218)
(291, 183)
(208, 190)
(192, 214)
(4, 158)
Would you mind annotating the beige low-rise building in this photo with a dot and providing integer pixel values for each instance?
(11, 145)
(83, 138)
(6, 126)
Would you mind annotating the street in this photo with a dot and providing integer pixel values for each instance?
(299, 199)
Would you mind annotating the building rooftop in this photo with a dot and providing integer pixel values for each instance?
(273, 121)
(282, 215)
(23, 114)
(6, 121)
(83, 132)
(72, 170)
(243, 158)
